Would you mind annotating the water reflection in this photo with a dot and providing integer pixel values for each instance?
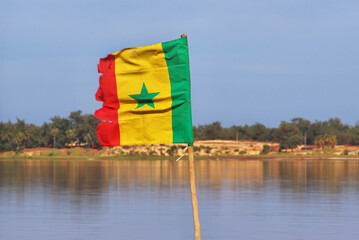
(96, 176)
(149, 199)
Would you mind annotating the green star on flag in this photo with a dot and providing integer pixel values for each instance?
(144, 97)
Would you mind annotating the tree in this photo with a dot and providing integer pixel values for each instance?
(71, 135)
(214, 131)
(6, 137)
(326, 140)
(344, 137)
(62, 124)
(54, 132)
(331, 140)
(288, 135)
(316, 128)
(88, 139)
(209, 131)
(20, 138)
(304, 127)
(354, 140)
(259, 132)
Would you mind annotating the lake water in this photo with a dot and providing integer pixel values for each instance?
(150, 199)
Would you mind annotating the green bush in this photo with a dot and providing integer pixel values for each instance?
(19, 150)
(172, 150)
(208, 149)
(197, 149)
(52, 153)
(265, 150)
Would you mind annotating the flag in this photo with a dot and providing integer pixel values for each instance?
(146, 95)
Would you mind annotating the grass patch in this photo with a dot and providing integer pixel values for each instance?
(53, 153)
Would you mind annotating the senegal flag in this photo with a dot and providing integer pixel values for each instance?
(146, 95)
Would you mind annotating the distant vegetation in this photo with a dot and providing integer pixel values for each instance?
(289, 134)
(76, 130)
(80, 130)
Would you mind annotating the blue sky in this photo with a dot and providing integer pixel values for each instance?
(251, 61)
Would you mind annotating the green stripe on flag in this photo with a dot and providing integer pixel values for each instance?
(176, 54)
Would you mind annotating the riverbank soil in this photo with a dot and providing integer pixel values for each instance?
(201, 148)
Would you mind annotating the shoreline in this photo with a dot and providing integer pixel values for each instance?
(174, 158)
(210, 149)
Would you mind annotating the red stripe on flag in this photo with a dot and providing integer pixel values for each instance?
(108, 132)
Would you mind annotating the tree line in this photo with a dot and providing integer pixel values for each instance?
(80, 130)
(76, 130)
(290, 134)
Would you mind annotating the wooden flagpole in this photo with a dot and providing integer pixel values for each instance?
(197, 227)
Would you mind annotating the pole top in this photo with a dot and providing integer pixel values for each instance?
(183, 35)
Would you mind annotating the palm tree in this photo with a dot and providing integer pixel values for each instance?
(6, 137)
(88, 139)
(54, 132)
(326, 140)
(19, 138)
(71, 135)
(25, 137)
(332, 140)
(319, 141)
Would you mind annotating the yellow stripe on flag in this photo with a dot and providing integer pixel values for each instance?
(134, 68)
